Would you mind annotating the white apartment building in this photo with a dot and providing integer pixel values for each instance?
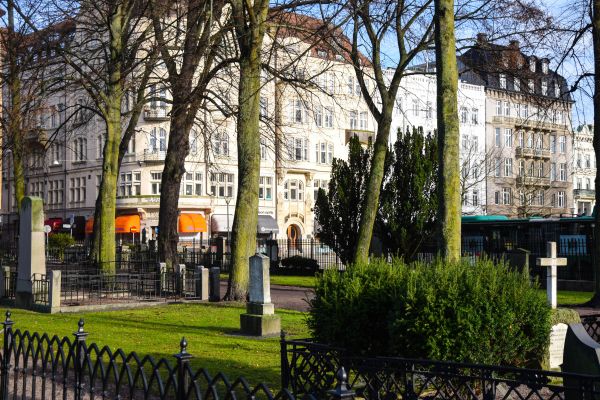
(584, 170)
(416, 108)
(316, 123)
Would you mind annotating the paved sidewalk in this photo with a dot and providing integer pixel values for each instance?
(288, 297)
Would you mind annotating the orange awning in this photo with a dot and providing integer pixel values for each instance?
(192, 223)
(89, 225)
(127, 224)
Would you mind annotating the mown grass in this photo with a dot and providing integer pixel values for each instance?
(566, 297)
(285, 280)
(211, 332)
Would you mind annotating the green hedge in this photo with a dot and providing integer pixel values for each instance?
(482, 313)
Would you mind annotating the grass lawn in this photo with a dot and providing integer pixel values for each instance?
(209, 329)
(300, 281)
(565, 297)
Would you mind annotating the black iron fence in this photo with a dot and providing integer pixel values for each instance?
(591, 323)
(309, 368)
(38, 366)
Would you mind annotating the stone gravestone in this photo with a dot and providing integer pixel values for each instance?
(558, 334)
(581, 356)
(201, 283)
(551, 262)
(32, 252)
(260, 318)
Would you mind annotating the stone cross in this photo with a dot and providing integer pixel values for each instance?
(32, 252)
(551, 262)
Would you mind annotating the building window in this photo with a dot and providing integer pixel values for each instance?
(544, 88)
(517, 83)
(265, 188)
(193, 142)
(579, 161)
(55, 153)
(100, 146)
(353, 117)
(507, 109)
(475, 116)
(540, 197)
(540, 170)
(530, 138)
(508, 167)
(221, 144)
(502, 81)
(498, 107)
(496, 197)
(556, 90)
(319, 184)
(221, 184)
(497, 140)
(158, 140)
(588, 163)
(464, 115)
(562, 199)
(521, 197)
(155, 182)
(563, 172)
(579, 183)
(552, 143)
(531, 85)
(77, 190)
(350, 85)
(553, 171)
(497, 167)
(525, 111)
(415, 107)
(264, 107)
(298, 149)
(475, 198)
(521, 168)
(158, 95)
(428, 110)
(80, 149)
(328, 117)
(130, 184)
(588, 184)
(506, 197)
(293, 190)
(363, 120)
(544, 66)
(318, 116)
(296, 111)
(55, 192)
(324, 153)
(562, 142)
(263, 149)
(508, 137)
(538, 141)
(521, 139)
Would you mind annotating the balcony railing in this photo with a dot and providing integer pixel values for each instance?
(584, 193)
(156, 114)
(531, 152)
(362, 135)
(533, 181)
(154, 155)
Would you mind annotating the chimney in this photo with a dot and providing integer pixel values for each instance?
(482, 37)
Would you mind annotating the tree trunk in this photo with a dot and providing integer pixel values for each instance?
(178, 149)
(104, 244)
(243, 240)
(373, 189)
(596, 43)
(448, 132)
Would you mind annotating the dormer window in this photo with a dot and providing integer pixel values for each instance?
(322, 53)
(517, 83)
(502, 81)
(532, 64)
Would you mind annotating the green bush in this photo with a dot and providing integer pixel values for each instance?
(482, 313)
(59, 242)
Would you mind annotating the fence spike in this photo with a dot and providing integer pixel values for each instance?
(341, 390)
(183, 346)
(8, 314)
(80, 325)
(282, 335)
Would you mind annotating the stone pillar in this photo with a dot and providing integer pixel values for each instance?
(215, 284)
(32, 249)
(4, 281)
(201, 283)
(54, 287)
(260, 318)
(221, 243)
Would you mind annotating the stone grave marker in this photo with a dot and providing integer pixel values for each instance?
(581, 356)
(32, 252)
(558, 334)
(551, 262)
(260, 318)
(201, 282)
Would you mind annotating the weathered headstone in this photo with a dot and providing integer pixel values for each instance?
(581, 356)
(260, 318)
(551, 262)
(32, 252)
(162, 275)
(214, 290)
(180, 276)
(558, 334)
(54, 289)
(201, 278)
(4, 281)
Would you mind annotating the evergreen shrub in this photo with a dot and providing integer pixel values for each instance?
(481, 313)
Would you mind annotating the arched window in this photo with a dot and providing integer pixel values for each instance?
(152, 143)
(162, 139)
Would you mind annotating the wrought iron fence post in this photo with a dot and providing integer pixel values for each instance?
(489, 387)
(183, 362)
(80, 355)
(341, 390)
(8, 323)
(285, 367)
